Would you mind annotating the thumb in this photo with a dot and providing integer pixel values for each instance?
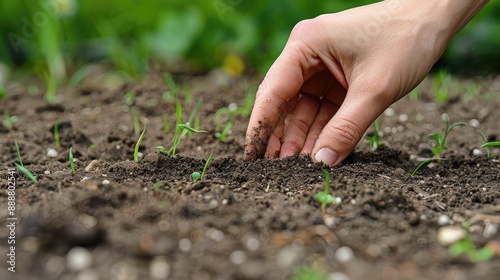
(343, 132)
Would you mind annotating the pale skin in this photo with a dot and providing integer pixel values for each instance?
(339, 72)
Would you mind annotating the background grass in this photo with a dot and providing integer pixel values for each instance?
(55, 38)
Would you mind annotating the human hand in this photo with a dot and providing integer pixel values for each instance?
(339, 72)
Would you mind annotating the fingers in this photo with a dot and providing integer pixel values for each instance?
(345, 129)
(282, 82)
(325, 113)
(297, 125)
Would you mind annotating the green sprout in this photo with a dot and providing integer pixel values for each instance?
(466, 246)
(8, 120)
(72, 161)
(181, 129)
(156, 187)
(440, 138)
(324, 197)
(57, 139)
(136, 149)
(20, 166)
(173, 89)
(130, 98)
(486, 145)
(135, 120)
(424, 163)
(491, 144)
(441, 87)
(309, 272)
(374, 140)
(196, 175)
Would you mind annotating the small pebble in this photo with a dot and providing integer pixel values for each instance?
(344, 254)
(474, 123)
(159, 268)
(389, 112)
(185, 245)
(215, 234)
(253, 244)
(78, 258)
(84, 179)
(448, 235)
(237, 257)
(490, 229)
(443, 220)
(52, 153)
(105, 182)
(353, 201)
(329, 220)
(232, 107)
(289, 256)
(338, 200)
(477, 152)
(403, 117)
(46, 172)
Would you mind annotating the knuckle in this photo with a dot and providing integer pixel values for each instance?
(346, 132)
(303, 28)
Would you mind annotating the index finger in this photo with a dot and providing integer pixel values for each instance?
(282, 82)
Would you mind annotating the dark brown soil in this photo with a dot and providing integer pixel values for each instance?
(248, 219)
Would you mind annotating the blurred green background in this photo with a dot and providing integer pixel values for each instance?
(55, 38)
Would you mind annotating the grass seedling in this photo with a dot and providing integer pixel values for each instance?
(440, 138)
(491, 144)
(136, 149)
(20, 166)
(57, 138)
(374, 140)
(309, 272)
(466, 246)
(324, 197)
(195, 176)
(486, 148)
(8, 120)
(72, 161)
(135, 120)
(424, 163)
(181, 129)
(130, 98)
(156, 187)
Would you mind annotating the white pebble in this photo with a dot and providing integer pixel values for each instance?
(105, 182)
(289, 255)
(216, 235)
(185, 245)
(389, 112)
(344, 254)
(253, 244)
(78, 258)
(403, 117)
(490, 229)
(84, 179)
(52, 153)
(338, 200)
(46, 172)
(353, 201)
(448, 235)
(474, 123)
(232, 107)
(159, 268)
(237, 257)
(443, 220)
(477, 152)
(329, 220)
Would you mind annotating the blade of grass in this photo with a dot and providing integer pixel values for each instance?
(136, 149)
(26, 172)
(18, 153)
(72, 161)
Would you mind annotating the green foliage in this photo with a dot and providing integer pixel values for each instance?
(20, 165)
(491, 144)
(195, 176)
(181, 129)
(8, 120)
(486, 145)
(138, 144)
(424, 163)
(324, 197)
(374, 140)
(225, 117)
(72, 161)
(309, 273)
(57, 138)
(135, 120)
(440, 138)
(466, 246)
(130, 98)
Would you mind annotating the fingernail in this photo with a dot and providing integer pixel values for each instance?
(326, 156)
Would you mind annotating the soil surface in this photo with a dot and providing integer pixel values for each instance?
(247, 219)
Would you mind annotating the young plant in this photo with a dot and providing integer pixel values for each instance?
(20, 166)
(72, 161)
(136, 149)
(181, 129)
(8, 120)
(195, 176)
(424, 163)
(57, 138)
(491, 144)
(130, 98)
(135, 120)
(324, 197)
(466, 246)
(374, 140)
(309, 272)
(486, 145)
(440, 138)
